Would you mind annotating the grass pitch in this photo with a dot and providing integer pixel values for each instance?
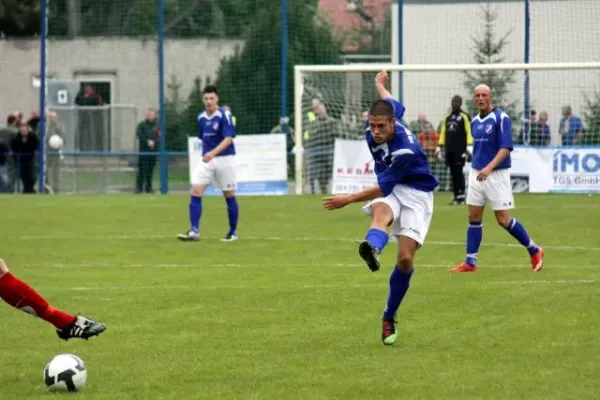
(290, 311)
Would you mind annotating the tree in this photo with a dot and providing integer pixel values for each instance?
(131, 18)
(19, 18)
(591, 117)
(488, 49)
(310, 42)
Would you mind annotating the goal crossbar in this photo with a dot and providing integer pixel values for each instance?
(374, 67)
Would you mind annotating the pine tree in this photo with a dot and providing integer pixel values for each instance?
(488, 49)
(591, 117)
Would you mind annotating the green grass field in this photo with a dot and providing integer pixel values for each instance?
(290, 312)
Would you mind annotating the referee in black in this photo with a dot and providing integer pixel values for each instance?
(456, 142)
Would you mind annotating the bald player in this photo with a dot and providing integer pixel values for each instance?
(489, 180)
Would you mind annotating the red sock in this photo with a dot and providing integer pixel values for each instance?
(21, 296)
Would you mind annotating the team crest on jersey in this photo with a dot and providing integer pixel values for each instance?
(215, 125)
(488, 129)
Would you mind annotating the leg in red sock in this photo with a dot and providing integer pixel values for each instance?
(20, 295)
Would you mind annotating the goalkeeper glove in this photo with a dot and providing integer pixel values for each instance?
(438, 153)
(468, 154)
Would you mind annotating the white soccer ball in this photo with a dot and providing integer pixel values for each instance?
(65, 373)
(55, 142)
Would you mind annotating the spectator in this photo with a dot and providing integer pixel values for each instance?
(147, 134)
(540, 131)
(319, 136)
(54, 127)
(19, 116)
(570, 128)
(24, 146)
(421, 125)
(34, 121)
(290, 143)
(92, 121)
(7, 134)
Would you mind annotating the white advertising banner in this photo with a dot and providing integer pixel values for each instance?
(352, 167)
(576, 170)
(261, 163)
(536, 170)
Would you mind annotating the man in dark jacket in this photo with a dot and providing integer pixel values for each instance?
(24, 147)
(147, 134)
(456, 139)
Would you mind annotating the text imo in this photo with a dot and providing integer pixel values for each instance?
(570, 162)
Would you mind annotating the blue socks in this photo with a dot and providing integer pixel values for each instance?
(195, 213)
(474, 236)
(233, 212)
(399, 283)
(518, 231)
(377, 238)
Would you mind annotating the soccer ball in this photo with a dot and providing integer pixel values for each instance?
(55, 142)
(65, 373)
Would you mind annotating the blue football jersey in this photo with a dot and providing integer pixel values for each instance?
(491, 133)
(213, 129)
(401, 160)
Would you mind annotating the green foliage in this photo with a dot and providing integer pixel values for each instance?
(19, 17)
(183, 18)
(488, 49)
(310, 42)
(591, 117)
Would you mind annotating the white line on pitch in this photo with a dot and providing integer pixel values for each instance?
(292, 239)
(271, 265)
(315, 286)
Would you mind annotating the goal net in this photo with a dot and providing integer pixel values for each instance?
(331, 104)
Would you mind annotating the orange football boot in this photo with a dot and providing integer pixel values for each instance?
(464, 267)
(537, 260)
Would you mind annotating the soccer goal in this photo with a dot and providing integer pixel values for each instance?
(331, 103)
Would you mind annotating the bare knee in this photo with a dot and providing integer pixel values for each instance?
(198, 190)
(475, 213)
(406, 253)
(3, 268)
(228, 194)
(382, 216)
(503, 218)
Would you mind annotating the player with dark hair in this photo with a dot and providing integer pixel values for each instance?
(21, 296)
(489, 181)
(216, 130)
(402, 199)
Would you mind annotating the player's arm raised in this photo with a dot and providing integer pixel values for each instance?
(380, 81)
(341, 201)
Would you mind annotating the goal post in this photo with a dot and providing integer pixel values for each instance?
(330, 102)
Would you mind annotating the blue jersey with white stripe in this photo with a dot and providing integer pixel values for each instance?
(401, 160)
(491, 133)
(214, 128)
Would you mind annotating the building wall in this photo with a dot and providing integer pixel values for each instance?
(133, 63)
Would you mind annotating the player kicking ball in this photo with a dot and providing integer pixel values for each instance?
(489, 181)
(216, 130)
(21, 296)
(402, 199)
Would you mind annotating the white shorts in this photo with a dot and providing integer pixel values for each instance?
(496, 190)
(412, 210)
(218, 172)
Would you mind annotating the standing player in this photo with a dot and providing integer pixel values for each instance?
(489, 180)
(216, 130)
(21, 296)
(402, 199)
